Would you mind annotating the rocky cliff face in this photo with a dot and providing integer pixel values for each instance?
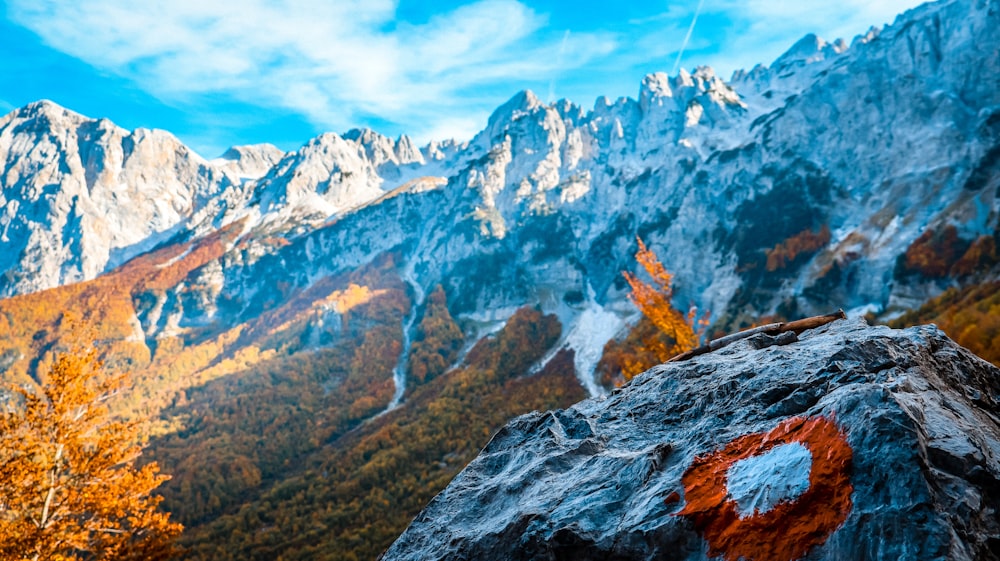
(790, 189)
(852, 442)
(79, 194)
(859, 150)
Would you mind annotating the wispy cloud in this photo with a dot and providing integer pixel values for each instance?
(673, 13)
(337, 63)
(347, 63)
(764, 29)
(560, 54)
(743, 33)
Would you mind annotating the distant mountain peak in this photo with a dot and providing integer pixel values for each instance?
(45, 106)
(48, 114)
(808, 50)
(238, 153)
(524, 101)
(250, 161)
(680, 161)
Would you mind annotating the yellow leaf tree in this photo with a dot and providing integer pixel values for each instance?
(653, 300)
(70, 488)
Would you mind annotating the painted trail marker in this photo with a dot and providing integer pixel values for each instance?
(771, 496)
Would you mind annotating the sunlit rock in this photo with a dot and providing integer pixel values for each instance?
(853, 442)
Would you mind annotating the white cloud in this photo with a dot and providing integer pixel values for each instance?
(347, 62)
(458, 127)
(758, 31)
(334, 62)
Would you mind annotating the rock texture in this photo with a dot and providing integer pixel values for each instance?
(80, 196)
(889, 438)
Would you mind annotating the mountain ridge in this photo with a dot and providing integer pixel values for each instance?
(313, 312)
(713, 179)
(655, 87)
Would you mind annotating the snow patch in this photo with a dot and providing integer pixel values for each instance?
(592, 330)
(399, 373)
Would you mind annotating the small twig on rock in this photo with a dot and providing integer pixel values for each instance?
(798, 326)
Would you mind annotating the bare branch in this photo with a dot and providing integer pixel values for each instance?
(797, 326)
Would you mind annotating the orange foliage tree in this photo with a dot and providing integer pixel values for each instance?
(438, 340)
(970, 316)
(979, 258)
(69, 485)
(934, 252)
(804, 243)
(653, 300)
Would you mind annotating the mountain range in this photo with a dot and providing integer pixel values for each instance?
(351, 284)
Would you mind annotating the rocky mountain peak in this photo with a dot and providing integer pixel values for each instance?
(82, 193)
(697, 167)
(407, 152)
(657, 85)
(438, 150)
(329, 174)
(378, 147)
(808, 50)
(847, 442)
(867, 37)
(671, 105)
(251, 161)
(383, 151)
(49, 112)
(521, 104)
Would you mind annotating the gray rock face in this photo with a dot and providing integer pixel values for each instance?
(910, 468)
(79, 194)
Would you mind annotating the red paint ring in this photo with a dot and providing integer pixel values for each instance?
(791, 528)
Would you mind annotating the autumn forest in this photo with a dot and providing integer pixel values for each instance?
(277, 434)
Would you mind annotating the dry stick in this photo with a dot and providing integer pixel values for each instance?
(798, 326)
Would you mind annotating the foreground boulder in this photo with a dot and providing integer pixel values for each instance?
(850, 443)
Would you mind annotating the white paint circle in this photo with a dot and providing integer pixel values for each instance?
(759, 483)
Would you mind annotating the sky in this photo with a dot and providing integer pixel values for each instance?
(223, 73)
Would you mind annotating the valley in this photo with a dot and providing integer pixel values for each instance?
(322, 339)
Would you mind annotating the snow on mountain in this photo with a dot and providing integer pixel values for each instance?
(79, 194)
(874, 143)
(333, 173)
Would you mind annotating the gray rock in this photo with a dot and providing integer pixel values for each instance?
(598, 480)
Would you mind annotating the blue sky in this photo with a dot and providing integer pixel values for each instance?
(219, 73)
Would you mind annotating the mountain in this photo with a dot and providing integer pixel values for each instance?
(348, 308)
(83, 196)
(879, 142)
(848, 442)
(79, 194)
